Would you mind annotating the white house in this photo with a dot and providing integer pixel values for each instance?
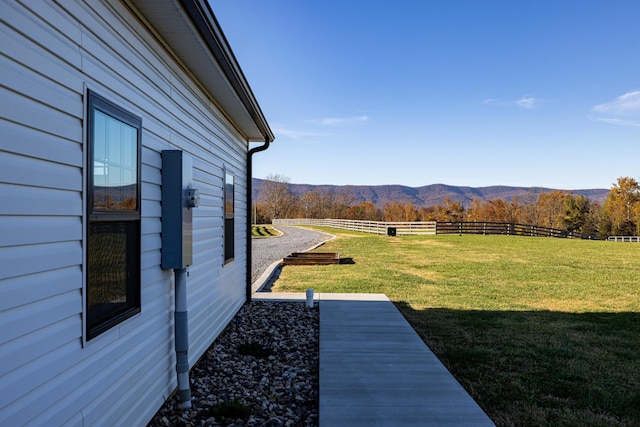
(91, 94)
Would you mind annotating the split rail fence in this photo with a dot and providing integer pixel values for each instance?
(433, 227)
(509, 229)
(375, 227)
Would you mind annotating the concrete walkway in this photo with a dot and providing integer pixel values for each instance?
(376, 371)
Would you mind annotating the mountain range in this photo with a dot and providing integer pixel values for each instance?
(433, 194)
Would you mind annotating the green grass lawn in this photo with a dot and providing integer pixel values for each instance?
(261, 231)
(539, 331)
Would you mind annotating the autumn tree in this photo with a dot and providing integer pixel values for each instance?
(410, 212)
(529, 211)
(620, 206)
(341, 204)
(318, 204)
(259, 216)
(620, 213)
(596, 220)
(365, 211)
(393, 212)
(475, 213)
(276, 197)
(636, 212)
(493, 210)
(449, 211)
(551, 208)
(313, 204)
(324, 203)
(426, 214)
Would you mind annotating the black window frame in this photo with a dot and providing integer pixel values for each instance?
(228, 207)
(122, 226)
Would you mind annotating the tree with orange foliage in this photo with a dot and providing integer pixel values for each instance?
(493, 210)
(621, 206)
(551, 208)
(364, 211)
(449, 211)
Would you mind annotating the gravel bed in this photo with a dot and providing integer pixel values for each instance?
(269, 250)
(265, 361)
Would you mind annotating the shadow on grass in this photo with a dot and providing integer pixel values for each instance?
(540, 367)
(260, 231)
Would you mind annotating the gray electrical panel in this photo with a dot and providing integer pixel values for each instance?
(178, 199)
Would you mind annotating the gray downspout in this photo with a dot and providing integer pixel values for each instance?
(249, 209)
(182, 337)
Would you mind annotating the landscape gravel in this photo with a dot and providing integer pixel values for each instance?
(269, 250)
(265, 361)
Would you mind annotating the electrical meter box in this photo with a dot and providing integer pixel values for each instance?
(178, 200)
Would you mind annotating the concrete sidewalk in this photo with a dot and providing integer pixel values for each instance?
(376, 371)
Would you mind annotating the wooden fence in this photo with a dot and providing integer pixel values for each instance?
(433, 227)
(375, 227)
(509, 229)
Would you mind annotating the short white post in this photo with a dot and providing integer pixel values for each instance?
(310, 298)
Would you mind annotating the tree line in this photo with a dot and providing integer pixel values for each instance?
(618, 215)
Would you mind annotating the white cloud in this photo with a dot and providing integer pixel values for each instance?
(527, 102)
(315, 131)
(492, 101)
(294, 134)
(624, 111)
(342, 121)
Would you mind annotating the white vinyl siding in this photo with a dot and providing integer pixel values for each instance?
(48, 375)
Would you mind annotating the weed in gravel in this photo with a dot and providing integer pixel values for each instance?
(254, 349)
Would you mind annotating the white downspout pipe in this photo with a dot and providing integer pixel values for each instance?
(182, 337)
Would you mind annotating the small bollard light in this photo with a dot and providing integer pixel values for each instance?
(310, 298)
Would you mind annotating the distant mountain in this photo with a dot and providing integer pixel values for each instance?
(434, 194)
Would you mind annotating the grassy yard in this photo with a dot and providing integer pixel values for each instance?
(260, 231)
(539, 331)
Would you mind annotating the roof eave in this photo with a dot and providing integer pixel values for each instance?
(193, 33)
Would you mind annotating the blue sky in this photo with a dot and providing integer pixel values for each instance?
(417, 92)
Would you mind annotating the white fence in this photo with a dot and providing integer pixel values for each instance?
(400, 228)
(623, 238)
(375, 227)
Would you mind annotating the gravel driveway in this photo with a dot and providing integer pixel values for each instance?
(269, 250)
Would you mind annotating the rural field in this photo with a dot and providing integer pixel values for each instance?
(539, 331)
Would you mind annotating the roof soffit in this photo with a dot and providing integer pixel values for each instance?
(189, 28)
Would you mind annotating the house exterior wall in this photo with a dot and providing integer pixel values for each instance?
(49, 373)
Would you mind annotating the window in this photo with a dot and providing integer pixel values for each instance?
(228, 217)
(113, 208)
